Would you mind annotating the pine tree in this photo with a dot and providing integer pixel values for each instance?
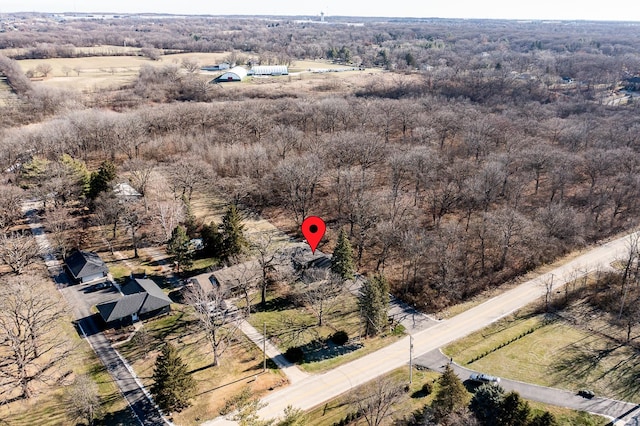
(212, 240)
(544, 419)
(451, 395)
(233, 240)
(179, 246)
(486, 403)
(172, 385)
(101, 179)
(373, 302)
(342, 261)
(514, 411)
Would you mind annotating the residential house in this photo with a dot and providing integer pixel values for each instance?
(141, 299)
(86, 266)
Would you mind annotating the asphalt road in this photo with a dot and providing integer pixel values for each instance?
(318, 389)
(610, 408)
(80, 301)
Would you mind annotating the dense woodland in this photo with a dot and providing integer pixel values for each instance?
(465, 164)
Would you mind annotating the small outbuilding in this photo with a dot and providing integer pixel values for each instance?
(86, 266)
(124, 191)
(234, 74)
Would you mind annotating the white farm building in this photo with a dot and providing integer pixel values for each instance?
(234, 74)
(269, 70)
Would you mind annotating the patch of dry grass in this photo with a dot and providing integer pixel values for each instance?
(241, 365)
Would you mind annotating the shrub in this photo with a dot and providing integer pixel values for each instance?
(427, 388)
(294, 354)
(340, 338)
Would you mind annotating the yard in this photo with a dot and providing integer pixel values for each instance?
(289, 326)
(47, 407)
(241, 365)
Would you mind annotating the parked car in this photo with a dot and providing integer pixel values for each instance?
(484, 378)
(585, 393)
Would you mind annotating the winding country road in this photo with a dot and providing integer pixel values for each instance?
(317, 389)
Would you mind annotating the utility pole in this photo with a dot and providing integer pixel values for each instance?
(264, 346)
(410, 359)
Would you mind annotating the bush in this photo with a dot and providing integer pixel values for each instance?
(340, 338)
(294, 354)
(427, 388)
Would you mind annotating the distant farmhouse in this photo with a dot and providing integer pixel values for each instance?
(86, 266)
(218, 67)
(142, 299)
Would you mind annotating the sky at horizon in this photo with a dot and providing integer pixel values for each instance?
(612, 10)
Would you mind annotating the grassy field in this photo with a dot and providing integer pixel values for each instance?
(109, 72)
(555, 354)
(240, 366)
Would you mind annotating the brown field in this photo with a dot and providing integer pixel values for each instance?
(104, 72)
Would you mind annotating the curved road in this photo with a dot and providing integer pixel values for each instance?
(316, 389)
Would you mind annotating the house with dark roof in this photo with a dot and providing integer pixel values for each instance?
(142, 299)
(86, 266)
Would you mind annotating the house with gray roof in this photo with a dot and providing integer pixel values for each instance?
(141, 299)
(86, 266)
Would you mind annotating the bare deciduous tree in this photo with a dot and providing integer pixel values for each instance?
(217, 321)
(321, 294)
(30, 341)
(59, 224)
(82, 399)
(375, 400)
(18, 250)
(10, 212)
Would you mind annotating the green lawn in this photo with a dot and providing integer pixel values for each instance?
(289, 326)
(557, 355)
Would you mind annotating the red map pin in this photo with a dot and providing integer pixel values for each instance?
(313, 230)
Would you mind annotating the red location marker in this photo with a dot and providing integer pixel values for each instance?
(313, 230)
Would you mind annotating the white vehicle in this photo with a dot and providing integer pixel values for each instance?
(484, 378)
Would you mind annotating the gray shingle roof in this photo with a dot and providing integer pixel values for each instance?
(141, 295)
(85, 263)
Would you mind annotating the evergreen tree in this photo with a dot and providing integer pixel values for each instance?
(101, 179)
(179, 246)
(211, 240)
(79, 171)
(342, 261)
(451, 395)
(172, 385)
(373, 302)
(544, 419)
(487, 403)
(514, 411)
(233, 240)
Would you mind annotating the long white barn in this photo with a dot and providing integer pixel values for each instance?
(269, 70)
